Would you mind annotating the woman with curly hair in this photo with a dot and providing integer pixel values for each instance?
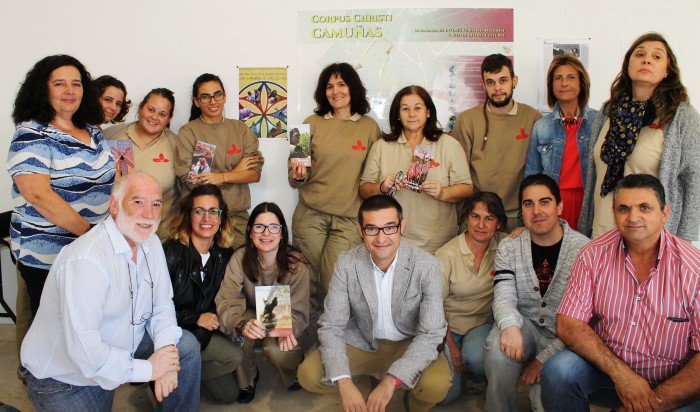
(647, 126)
(112, 96)
(62, 171)
(197, 251)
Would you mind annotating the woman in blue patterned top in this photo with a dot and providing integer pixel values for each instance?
(62, 171)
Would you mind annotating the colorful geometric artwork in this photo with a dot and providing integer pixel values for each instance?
(262, 100)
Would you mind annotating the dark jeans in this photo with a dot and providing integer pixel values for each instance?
(51, 395)
(34, 278)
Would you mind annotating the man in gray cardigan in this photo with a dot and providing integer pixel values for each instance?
(383, 317)
(532, 271)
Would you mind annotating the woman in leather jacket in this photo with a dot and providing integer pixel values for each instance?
(197, 251)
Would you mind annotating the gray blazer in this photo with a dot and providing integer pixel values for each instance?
(516, 288)
(351, 311)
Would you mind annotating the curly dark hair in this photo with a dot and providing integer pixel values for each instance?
(32, 101)
(668, 95)
(103, 82)
(195, 111)
(358, 93)
(432, 130)
(181, 227)
(287, 255)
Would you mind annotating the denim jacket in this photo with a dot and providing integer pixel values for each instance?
(548, 140)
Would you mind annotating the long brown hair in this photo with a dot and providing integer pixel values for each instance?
(668, 95)
(181, 226)
(287, 255)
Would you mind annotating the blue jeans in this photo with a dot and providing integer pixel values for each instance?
(55, 396)
(472, 344)
(570, 383)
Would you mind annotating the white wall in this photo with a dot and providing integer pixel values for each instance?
(167, 43)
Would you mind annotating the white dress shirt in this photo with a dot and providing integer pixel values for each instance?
(83, 332)
(384, 328)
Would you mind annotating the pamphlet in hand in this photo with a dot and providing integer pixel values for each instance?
(418, 170)
(202, 159)
(273, 308)
(123, 153)
(300, 144)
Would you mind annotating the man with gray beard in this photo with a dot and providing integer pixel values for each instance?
(107, 316)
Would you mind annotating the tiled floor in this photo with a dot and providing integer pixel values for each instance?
(270, 396)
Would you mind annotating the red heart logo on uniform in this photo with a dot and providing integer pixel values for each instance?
(160, 158)
(359, 146)
(433, 163)
(522, 134)
(234, 150)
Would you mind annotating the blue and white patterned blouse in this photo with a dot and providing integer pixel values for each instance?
(81, 174)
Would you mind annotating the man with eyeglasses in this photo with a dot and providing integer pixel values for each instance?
(383, 317)
(107, 316)
(532, 271)
(630, 316)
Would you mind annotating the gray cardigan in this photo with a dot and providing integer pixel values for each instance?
(679, 173)
(516, 288)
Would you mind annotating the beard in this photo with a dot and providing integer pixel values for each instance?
(502, 103)
(127, 225)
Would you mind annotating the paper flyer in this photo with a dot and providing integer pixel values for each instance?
(300, 143)
(202, 159)
(421, 162)
(123, 153)
(262, 100)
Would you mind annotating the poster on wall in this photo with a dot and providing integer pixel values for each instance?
(552, 47)
(438, 49)
(262, 100)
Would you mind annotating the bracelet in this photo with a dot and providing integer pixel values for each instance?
(239, 331)
(380, 188)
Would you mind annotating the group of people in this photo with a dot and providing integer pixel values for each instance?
(150, 276)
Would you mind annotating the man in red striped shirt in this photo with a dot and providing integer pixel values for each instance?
(630, 316)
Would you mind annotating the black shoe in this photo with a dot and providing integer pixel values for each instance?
(294, 386)
(246, 395)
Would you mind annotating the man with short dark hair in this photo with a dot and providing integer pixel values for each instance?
(495, 135)
(532, 271)
(383, 317)
(107, 315)
(630, 316)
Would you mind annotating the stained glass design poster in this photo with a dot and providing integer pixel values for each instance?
(262, 100)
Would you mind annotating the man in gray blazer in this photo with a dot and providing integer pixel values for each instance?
(532, 271)
(383, 317)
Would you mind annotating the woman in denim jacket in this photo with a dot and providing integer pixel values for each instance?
(559, 142)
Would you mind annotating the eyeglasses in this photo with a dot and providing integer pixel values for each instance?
(213, 212)
(206, 98)
(374, 230)
(273, 229)
(397, 180)
(148, 315)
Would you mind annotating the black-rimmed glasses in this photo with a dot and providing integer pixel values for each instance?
(206, 98)
(213, 212)
(273, 229)
(374, 230)
(397, 181)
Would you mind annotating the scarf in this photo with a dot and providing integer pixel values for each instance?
(627, 118)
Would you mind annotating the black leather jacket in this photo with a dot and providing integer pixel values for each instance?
(190, 295)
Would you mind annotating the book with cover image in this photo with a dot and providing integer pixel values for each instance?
(300, 143)
(418, 169)
(202, 159)
(273, 308)
(123, 153)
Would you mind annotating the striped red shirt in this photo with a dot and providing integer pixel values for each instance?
(652, 326)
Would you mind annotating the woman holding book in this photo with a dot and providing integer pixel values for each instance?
(325, 219)
(418, 147)
(153, 148)
(236, 162)
(267, 259)
(197, 251)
